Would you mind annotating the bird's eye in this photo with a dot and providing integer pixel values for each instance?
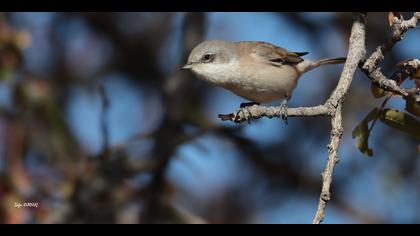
(207, 57)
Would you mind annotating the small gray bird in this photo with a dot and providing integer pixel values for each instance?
(258, 71)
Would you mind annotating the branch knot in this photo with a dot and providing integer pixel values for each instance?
(326, 196)
(338, 132)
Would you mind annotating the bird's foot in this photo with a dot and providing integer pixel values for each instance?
(243, 113)
(238, 116)
(248, 104)
(283, 110)
(225, 117)
(244, 109)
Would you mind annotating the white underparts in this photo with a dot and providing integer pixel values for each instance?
(260, 82)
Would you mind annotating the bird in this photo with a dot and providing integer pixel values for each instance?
(258, 71)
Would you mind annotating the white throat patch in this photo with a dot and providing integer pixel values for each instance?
(217, 73)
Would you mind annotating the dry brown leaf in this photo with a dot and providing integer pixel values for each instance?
(416, 78)
(403, 63)
(391, 17)
(417, 81)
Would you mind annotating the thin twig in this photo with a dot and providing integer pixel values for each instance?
(355, 54)
(370, 66)
(376, 117)
(406, 69)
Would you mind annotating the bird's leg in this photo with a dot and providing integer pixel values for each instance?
(283, 108)
(245, 106)
(224, 117)
(248, 104)
(244, 109)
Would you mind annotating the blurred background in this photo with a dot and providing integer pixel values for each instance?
(98, 126)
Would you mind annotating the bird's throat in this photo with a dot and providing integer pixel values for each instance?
(220, 74)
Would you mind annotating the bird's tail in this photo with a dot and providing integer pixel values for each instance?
(337, 60)
(308, 65)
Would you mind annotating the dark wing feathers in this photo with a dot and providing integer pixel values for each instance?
(276, 55)
(301, 53)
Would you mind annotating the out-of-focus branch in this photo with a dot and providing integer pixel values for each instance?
(104, 119)
(170, 133)
(370, 66)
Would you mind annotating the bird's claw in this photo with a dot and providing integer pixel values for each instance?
(283, 111)
(248, 104)
(246, 114)
(225, 117)
(240, 115)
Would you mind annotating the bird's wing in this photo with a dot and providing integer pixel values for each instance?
(277, 56)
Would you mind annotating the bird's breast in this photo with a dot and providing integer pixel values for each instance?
(258, 82)
(265, 83)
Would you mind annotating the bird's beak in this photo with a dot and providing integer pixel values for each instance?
(185, 67)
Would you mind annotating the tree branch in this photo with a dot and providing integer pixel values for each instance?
(370, 66)
(357, 43)
(332, 108)
(355, 54)
(336, 133)
(257, 111)
(104, 118)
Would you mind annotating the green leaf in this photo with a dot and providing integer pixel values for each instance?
(401, 121)
(361, 133)
(377, 92)
(5, 73)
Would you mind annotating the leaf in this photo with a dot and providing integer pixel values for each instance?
(392, 15)
(22, 39)
(416, 78)
(5, 73)
(417, 74)
(377, 92)
(401, 121)
(417, 81)
(403, 63)
(412, 106)
(361, 133)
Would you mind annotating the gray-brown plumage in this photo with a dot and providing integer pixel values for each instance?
(258, 71)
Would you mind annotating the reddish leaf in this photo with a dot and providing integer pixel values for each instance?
(392, 15)
(417, 82)
(416, 78)
(403, 63)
